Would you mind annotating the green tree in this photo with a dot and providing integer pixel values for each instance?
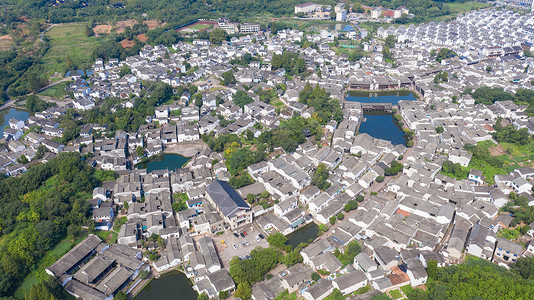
(440, 129)
(125, 70)
(243, 291)
(198, 100)
(241, 98)
(251, 198)
(228, 78)
(320, 177)
(277, 240)
(340, 216)
(315, 276)
(140, 151)
(524, 266)
(70, 64)
(89, 31)
(379, 178)
(351, 205)
(217, 36)
(390, 41)
(432, 269)
(120, 296)
(203, 296)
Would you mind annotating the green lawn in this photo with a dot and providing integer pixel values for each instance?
(46, 261)
(56, 91)
(457, 7)
(108, 237)
(407, 289)
(396, 294)
(68, 39)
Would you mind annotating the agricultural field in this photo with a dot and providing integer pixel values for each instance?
(6, 41)
(68, 40)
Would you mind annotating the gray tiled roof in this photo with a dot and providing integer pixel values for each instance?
(226, 198)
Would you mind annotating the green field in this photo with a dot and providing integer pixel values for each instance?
(406, 289)
(68, 39)
(199, 26)
(396, 294)
(459, 8)
(56, 91)
(48, 259)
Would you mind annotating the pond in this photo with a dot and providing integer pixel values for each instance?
(164, 162)
(383, 126)
(303, 235)
(7, 114)
(379, 124)
(172, 285)
(392, 97)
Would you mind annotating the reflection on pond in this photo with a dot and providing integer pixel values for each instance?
(164, 162)
(172, 285)
(303, 235)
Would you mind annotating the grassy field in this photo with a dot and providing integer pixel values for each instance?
(56, 91)
(108, 237)
(68, 39)
(395, 294)
(407, 289)
(459, 8)
(48, 259)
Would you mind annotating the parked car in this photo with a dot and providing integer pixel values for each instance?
(258, 239)
(236, 235)
(247, 243)
(224, 244)
(248, 257)
(242, 235)
(244, 232)
(235, 247)
(261, 236)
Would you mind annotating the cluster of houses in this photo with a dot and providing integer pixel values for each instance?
(401, 228)
(95, 270)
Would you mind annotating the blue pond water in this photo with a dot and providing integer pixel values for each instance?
(6, 115)
(164, 162)
(378, 124)
(383, 126)
(382, 97)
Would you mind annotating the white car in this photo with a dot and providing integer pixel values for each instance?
(257, 239)
(235, 247)
(247, 243)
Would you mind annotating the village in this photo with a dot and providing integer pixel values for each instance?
(196, 219)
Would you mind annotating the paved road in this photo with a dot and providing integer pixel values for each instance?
(226, 254)
(7, 104)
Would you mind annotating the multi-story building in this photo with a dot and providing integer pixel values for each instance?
(227, 26)
(232, 208)
(250, 27)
